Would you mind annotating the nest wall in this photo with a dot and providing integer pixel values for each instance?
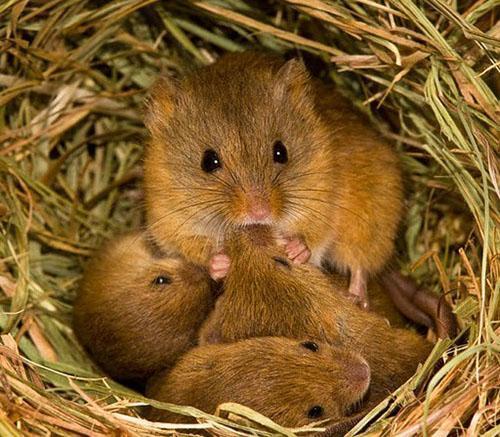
(73, 75)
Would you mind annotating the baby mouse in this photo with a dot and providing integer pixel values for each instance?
(136, 312)
(267, 295)
(291, 382)
(252, 139)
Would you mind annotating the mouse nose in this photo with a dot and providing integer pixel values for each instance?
(258, 207)
(360, 372)
(259, 212)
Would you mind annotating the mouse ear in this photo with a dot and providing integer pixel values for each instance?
(160, 103)
(291, 78)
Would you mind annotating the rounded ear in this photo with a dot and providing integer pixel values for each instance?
(160, 103)
(291, 78)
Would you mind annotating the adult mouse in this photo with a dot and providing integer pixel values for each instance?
(252, 139)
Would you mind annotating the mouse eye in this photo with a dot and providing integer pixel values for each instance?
(210, 161)
(281, 261)
(280, 154)
(315, 412)
(311, 345)
(162, 280)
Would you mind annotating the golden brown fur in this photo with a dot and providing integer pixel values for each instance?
(277, 377)
(266, 295)
(340, 190)
(381, 302)
(121, 316)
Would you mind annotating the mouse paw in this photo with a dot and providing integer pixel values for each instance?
(218, 266)
(358, 289)
(297, 251)
(359, 301)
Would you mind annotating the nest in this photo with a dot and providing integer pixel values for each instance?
(73, 76)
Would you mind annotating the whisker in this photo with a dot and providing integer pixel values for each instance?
(330, 203)
(222, 181)
(307, 190)
(188, 190)
(231, 174)
(303, 210)
(199, 212)
(161, 220)
(302, 175)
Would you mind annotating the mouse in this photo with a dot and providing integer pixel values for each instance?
(254, 139)
(265, 294)
(293, 382)
(131, 300)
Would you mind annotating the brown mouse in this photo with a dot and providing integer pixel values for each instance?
(291, 382)
(252, 139)
(131, 300)
(265, 294)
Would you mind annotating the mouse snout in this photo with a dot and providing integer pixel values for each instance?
(360, 373)
(258, 207)
(356, 374)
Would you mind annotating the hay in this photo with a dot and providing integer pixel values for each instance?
(72, 79)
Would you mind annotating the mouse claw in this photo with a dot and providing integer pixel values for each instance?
(359, 301)
(297, 251)
(218, 266)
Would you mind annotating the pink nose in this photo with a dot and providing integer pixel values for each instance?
(259, 212)
(258, 208)
(360, 373)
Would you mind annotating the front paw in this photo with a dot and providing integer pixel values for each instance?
(218, 266)
(296, 250)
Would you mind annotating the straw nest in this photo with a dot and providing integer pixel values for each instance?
(73, 75)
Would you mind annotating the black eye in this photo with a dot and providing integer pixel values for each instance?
(281, 261)
(162, 280)
(210, 161)
(280, 155)
(315, 412)
(311, 345)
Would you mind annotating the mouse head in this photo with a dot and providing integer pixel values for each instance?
(131, 300)
(301, 382)
(238, 142)
(135, 270)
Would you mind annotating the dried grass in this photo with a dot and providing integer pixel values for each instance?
(72, 78)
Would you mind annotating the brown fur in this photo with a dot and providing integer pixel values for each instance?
(275, 376)
(381, 302)
(340, 189)
(263, 297)
(121, 316)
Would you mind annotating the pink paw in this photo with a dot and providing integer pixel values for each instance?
(359, 301)
(358, 288)
(218, 266)
(297, 251)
